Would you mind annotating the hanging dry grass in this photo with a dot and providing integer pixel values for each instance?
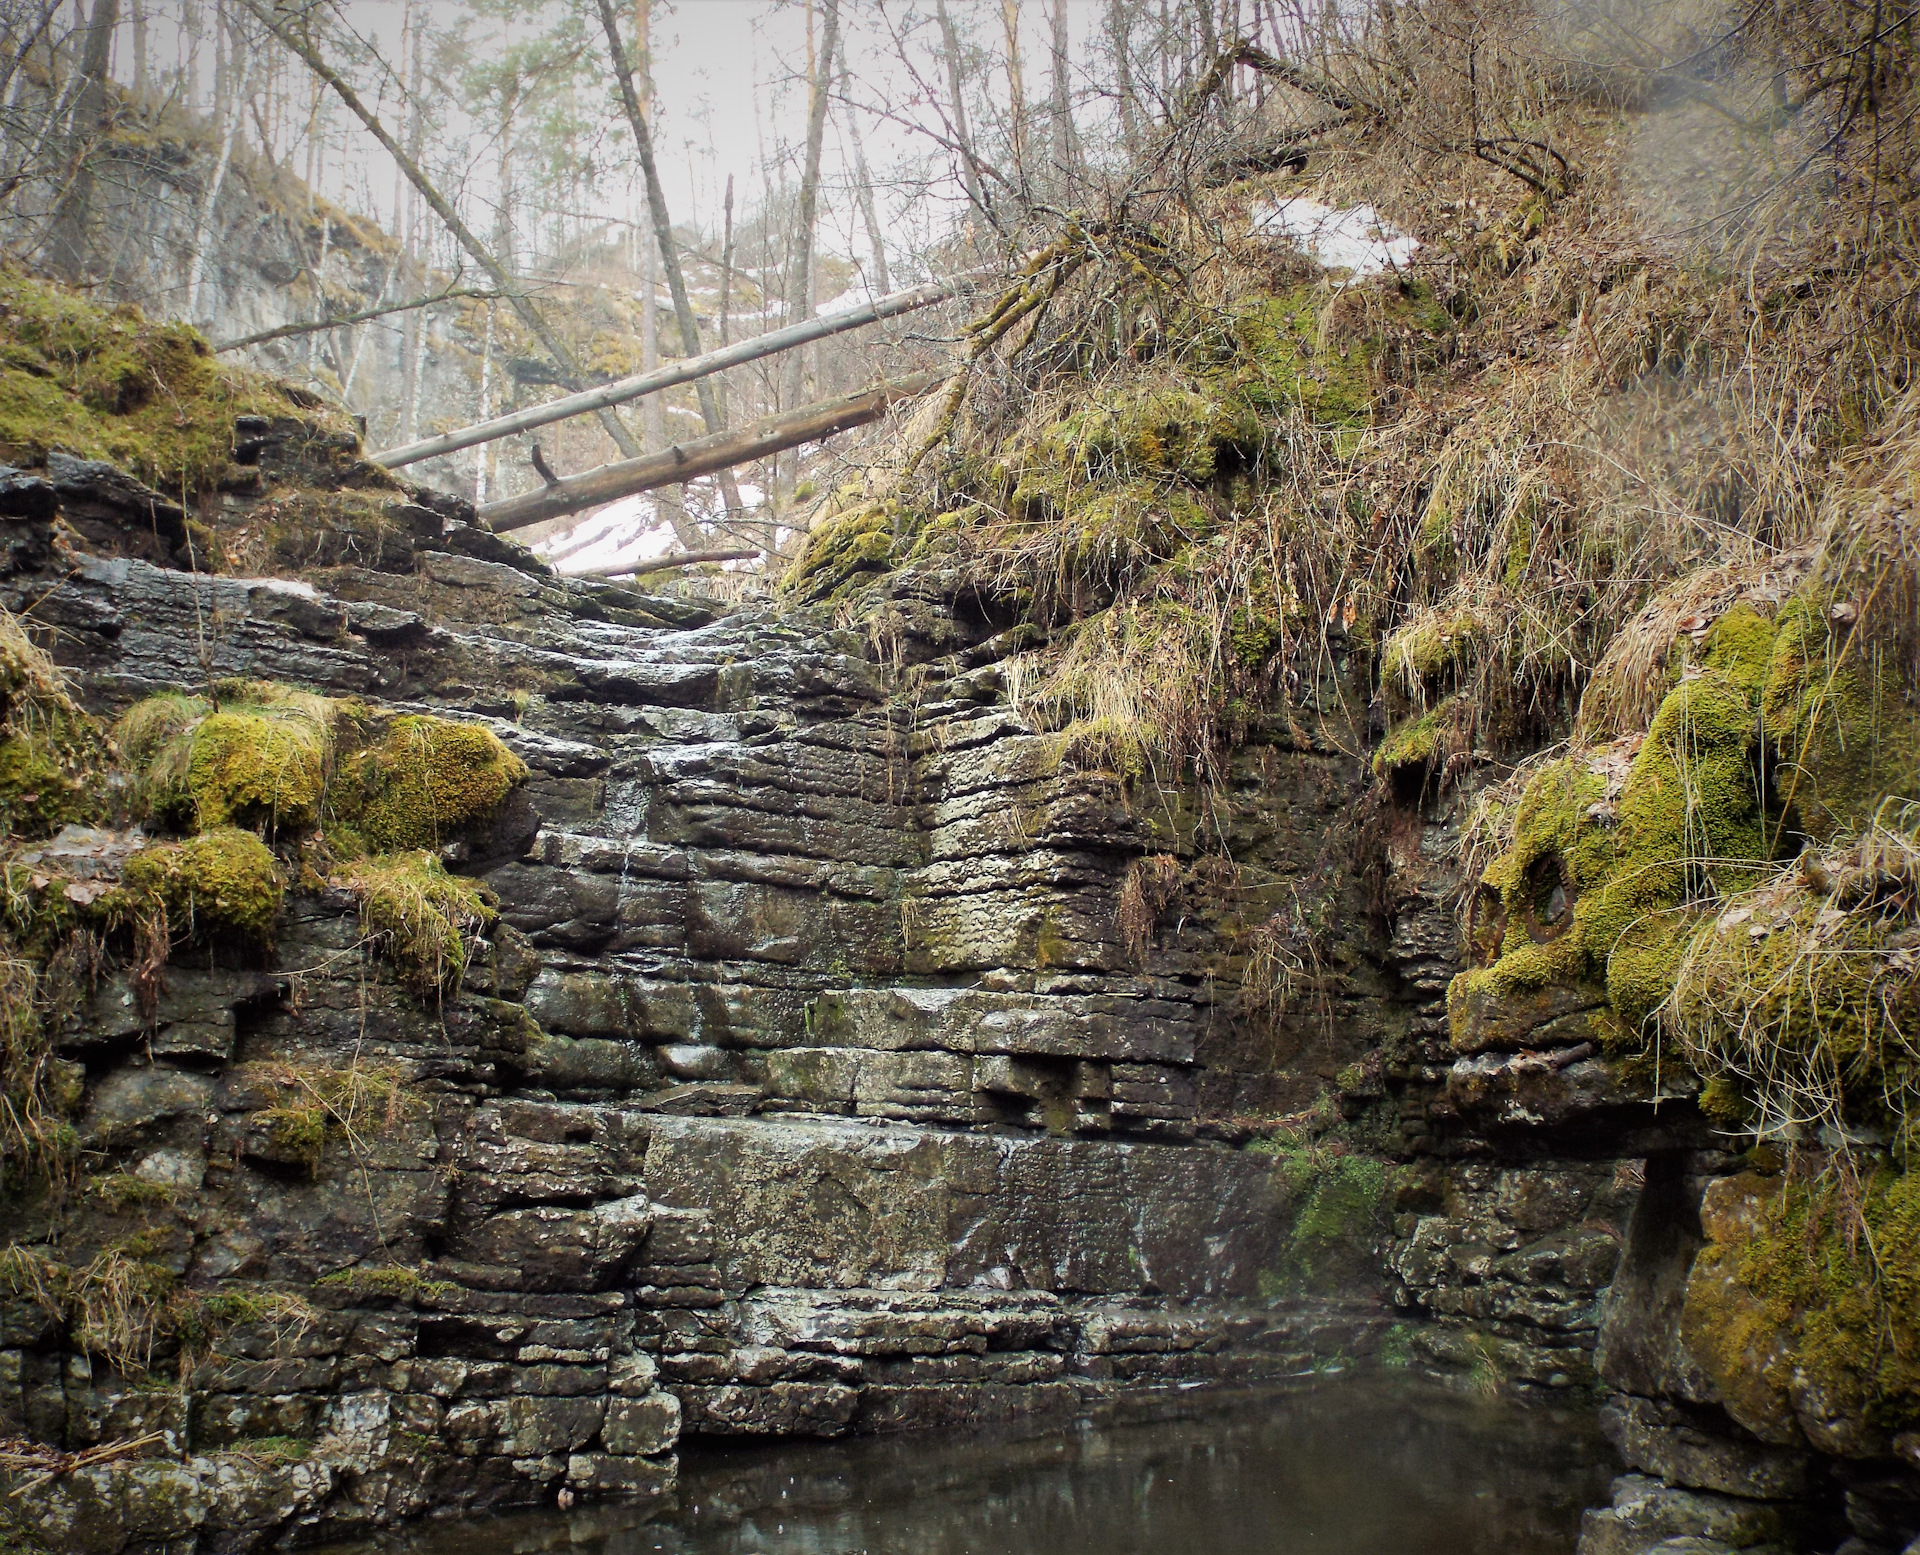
(1800, 999)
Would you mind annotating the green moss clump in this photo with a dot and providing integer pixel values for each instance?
(420, 918)
(253, 770)
(1691, 824)
(223, 883)
(296, 1132)
(256, 755)
(1839, 709)
(1280, 360)
(388, 1284)
(1339, 1201)
(428, 781)
(110, 384)
(1597, 891)
(843, 550)
(1426, 741)
(155, 737)
(1131, 430)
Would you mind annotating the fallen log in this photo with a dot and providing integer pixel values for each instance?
(662, 564)
(704, 455)
(671, 374)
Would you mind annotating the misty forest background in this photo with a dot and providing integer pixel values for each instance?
(180, 156)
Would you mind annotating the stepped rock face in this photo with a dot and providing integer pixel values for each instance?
(810, 1081)
(804, 1085)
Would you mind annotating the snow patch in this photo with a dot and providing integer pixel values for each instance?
(1358, 240)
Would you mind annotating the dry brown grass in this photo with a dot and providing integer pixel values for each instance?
(1677, 309)
(1150, 887)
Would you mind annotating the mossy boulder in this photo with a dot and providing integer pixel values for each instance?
(426, 782)
(253, 769)
(1804, 1307)
(843, 549)
(257, 755)
(221, 885)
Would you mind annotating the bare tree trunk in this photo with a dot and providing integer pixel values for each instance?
(542, 331)
(68, 239)
(863, 184)
(203, 225)
(1060, 109)
(800, 273)
(139, 48)
(1120, 39)
(413, 333)
(726, 272)
(956, 88)
(1016, 92)
(483, 454)
(659, 220)
(704, 455)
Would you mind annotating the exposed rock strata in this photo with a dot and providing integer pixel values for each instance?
(804, 1087)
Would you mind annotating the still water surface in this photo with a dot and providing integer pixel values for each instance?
(1365, 1466)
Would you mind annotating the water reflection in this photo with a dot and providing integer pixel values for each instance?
(1352, 1467)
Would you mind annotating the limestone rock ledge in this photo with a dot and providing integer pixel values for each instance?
(804, 1085)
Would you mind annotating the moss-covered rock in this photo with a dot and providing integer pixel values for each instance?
(1804, 1306)
(257, 754)
(425, 783)
(1427, 741)
(221, 885)
(110, 384)
(256, 769)
(1598, 888)
(843, 548)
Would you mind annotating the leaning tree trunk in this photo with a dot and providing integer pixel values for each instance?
(570, 372)
(663, 232)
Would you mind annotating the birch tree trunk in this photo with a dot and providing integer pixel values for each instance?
(203, 222)
(863, 184)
